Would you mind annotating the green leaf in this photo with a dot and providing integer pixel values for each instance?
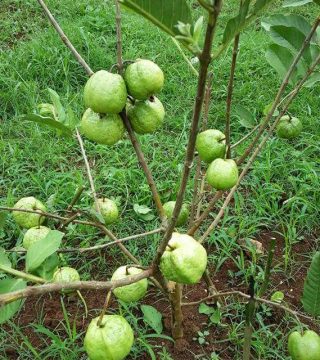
(4, 260)
(260, 4)
(205, 309)
(245, 116)
(152, 317)
(311, 290)
(215, 318)
(141, 209)
(313, 79)
(55, 98)
(292, 3)
(7, 286)
(47, 246)
(71, 120)
(96, 215)
(278, 296)
(48, 267)
(163, 13)
(3, 217)
(47, 121)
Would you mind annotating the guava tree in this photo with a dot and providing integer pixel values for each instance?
(125, 99)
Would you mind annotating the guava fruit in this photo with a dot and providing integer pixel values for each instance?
(105, 93)
(184, 260)
(144, 78)
(33, 235)
(289, 127)
(305, 347)
(112, 341)
(66, 274)
(211, 145)
(184, 213)
(105, 129)
(108, 209)
(133, 292)
(28, 220)
(222, 174)
(146, 116)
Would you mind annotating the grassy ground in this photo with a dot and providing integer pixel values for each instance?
(36, 162)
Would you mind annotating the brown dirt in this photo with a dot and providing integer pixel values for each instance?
(292, 287)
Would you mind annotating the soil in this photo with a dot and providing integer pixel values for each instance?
(188, 348)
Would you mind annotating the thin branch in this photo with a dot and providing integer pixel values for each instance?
(280, 92)
(258, 149)
(65, 39)
(233, 146)
(76, 197)
(105, 307)
(77, 285)
(193, 69)
(119, 37)
(205, 59)
(230, 93)
(22, 275)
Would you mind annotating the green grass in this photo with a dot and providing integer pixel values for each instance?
(34, 161)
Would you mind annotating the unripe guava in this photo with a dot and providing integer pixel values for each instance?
(211, 145)
(66, 274)
(168, 208)
(108, 209)
(105, 129)
(146, 116)
(105, 93)
(289, 127)
(305, 347)
(184, 260)
(112, 341)
(28, 220)
(222, 174)
(33, 235)
(144, 78)
(133, 292)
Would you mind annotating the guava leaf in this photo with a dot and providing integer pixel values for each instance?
(7, 286)
(260, 4)
(47, 121)
(152, 317)
(278, 296)
(245, 116)
(293, 3)
(163, 13)
(313, 79)
(311, 290)
(141, 209)
(55, 98)
(48, 267)
(292, 20)
(215, 318)
(205, 309)
(42, 249)
(4, 260)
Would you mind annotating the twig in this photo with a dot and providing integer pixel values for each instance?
(233, 146)
(230, 93)
(280, 92)
(267, 271)
(193, 69)
(76, 285)
(105, 307)
(65, 39)
(205, 59)
(119, 37)
(258, 149)
(76, 197)
(22, 275)
(70, 220)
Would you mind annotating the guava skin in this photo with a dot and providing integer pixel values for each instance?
(146, 116)
(184, 260)
(168, 208)
(211, 145)
(133, 292)
(144, 78)
(103, 129)
(305, 347)
(105, 93)
(112, 341)
(222, 174)
(33, 235)
(66, 274)
(28, 220)
(109, 210)
(289, 128)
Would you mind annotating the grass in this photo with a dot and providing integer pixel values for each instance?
(36, 162)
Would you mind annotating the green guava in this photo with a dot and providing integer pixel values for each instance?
(105, 93)
(144, 78)
(108, 209)
(33, 235)
(105, 129)
(133, 292)
(211, 145)
(28, 220)
(146, 116)
(113, 340)
(184, 260)
(305, 347)
(66, 274)
(222, 174)
(289, 127)
(184, 213)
